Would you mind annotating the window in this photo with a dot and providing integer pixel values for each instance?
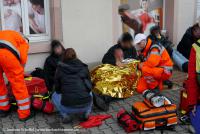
(30, 17)
(198, 9)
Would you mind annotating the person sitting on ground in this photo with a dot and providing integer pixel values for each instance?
(156, 66)
(177, 57)
(190, 37)
(73, 88)
(52, 62)
(193, 89)
(126, 45)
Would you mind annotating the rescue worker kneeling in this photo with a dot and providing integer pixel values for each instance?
(13, 57)
(156, 67)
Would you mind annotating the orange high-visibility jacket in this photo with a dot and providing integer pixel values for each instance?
(156, 56)
(16, 43)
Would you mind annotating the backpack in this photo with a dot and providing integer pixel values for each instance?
(38, 91)
(127, 121)
(38, 72)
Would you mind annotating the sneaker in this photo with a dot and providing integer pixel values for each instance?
(3, 113)
(185, 119)
(28, 117)
(66, 119)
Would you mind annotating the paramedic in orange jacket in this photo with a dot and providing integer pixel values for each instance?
(13, 57)
(157, 65)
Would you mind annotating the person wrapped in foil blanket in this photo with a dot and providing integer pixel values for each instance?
(114, 81)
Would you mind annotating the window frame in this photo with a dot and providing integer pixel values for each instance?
(25, 21)
(55, 28)
(197, 5)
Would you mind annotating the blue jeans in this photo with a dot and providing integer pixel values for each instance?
(178, 59)
(66, 111)
(195, 120)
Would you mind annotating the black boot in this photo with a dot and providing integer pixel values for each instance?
(32, 114)
(67, 119)
(168, 83)
(100, 102)
(3, 113)
(83, 117)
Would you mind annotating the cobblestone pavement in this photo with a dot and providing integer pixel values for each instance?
(110, 126)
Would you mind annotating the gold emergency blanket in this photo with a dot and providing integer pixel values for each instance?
(115, 81)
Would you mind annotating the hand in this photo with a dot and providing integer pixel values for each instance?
(119, 55)
(140, 66)
(194, 110)
(120, 64)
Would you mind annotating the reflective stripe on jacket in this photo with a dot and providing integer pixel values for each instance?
(15, 42)
(157, 56)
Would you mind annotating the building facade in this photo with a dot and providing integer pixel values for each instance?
(89, 26)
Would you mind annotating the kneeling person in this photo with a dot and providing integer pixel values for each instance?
(73, 87)
(128, 51)
(156, 66)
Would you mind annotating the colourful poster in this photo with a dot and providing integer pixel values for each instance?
(148, 13)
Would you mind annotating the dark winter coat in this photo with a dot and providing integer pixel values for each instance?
(185, 45)
(50, 69)
(109, 57)
(72, 80)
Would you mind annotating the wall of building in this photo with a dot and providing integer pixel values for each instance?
(184, 16)
(90, 27)
(169, 18)
(117, 24)
(35, 60)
